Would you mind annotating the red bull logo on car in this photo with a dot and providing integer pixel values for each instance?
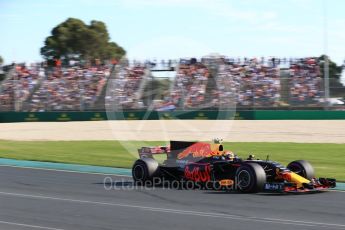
(198, 172)
(197, 150)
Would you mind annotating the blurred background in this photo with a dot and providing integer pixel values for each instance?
(169, 56)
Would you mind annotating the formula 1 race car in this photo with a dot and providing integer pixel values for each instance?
(206, 163)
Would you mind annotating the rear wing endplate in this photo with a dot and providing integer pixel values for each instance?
(148, 152)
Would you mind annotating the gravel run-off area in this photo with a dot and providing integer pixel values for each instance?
(302, 131)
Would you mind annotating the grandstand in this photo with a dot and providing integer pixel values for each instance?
(19, 85)
(305, 83)
(207, 83)
(189, 86)
(125, 88)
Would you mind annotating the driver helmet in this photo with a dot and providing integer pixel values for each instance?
(229, 155)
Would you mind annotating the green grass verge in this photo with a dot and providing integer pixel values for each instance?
(327, 159)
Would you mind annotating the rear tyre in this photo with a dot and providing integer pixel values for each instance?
(302, 168)
(250, 178)
(145, 170)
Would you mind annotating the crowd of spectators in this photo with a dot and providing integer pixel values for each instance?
(305, 82)
(19, 85)
(243, 82)
(124, 90)
(247, 84)
(227, 86)
(70, 88)
(204, 83)
(189, 87)
(260, 85)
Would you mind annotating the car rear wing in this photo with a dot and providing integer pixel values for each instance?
(148, 152)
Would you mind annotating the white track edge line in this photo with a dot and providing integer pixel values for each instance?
(62, 170)
(28, 225)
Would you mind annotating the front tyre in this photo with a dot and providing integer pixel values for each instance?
(302, 168)
(250, 178)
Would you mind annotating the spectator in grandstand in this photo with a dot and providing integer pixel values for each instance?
(17, 88)
(249, 84)
(305, 82)
(127, 87)
(190, 84)
(70, 88)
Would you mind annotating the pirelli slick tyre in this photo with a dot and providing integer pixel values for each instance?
(250, 178)
(302, 168)
(145, 170)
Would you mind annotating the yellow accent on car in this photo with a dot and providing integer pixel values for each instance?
(217, 149)
(299, 180)
(226, 182)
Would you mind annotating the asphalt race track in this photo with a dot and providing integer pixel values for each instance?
(42, 199)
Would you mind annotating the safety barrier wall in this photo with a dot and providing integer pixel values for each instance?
(97, 116)
(298, 115)
(191, 115)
